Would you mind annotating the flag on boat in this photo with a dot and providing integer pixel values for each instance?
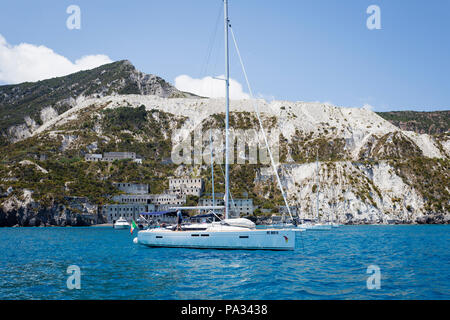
(133, 226)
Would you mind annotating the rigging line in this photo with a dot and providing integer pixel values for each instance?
(212, 42)
(261, 126)
(212, 167)
(265, 137)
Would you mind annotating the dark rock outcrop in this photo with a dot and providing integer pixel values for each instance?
(56, 215)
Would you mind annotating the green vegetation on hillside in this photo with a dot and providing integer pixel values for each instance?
(28, 99)
(429, 177)
(306, 148)
(148, 133)
(434, 122)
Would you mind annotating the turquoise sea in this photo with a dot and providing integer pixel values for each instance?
(414, 263)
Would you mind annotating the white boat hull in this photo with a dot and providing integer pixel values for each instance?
(121, 226)
(238, 239)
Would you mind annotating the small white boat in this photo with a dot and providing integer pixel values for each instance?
(121, 223)
(315, 226)
(286, 226)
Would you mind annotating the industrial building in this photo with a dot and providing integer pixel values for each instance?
(113, 156)
(186, 186)
(238, 207)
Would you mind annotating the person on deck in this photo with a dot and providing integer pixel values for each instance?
(179, 220)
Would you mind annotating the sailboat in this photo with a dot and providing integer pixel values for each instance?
(228, 233)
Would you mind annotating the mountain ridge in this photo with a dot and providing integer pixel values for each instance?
(25, 106)
(370, 171)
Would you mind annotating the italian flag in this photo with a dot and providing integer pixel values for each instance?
(133, 226)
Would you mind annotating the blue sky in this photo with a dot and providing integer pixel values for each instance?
(317, 50)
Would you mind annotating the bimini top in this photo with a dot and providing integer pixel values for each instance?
(158, 213)
(199, 208)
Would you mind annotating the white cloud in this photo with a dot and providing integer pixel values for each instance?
(210, 87)
(28, 62)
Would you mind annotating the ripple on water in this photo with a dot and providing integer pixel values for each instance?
(414, 262)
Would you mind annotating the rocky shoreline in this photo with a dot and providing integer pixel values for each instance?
(53, 217)
(73, 212)
(81, 212)
(62, 216)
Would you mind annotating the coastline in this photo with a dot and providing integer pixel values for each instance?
(110, 225)
(102, 225)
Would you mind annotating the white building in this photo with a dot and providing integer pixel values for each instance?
(238, 207)
(93, 157)
(186, 186)
(133, 198)
(112, 212)
(132, 188)
(168, 199)
(112, 156)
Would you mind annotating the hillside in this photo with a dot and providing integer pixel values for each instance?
(435, 122)
(24, 107)
(370, 171)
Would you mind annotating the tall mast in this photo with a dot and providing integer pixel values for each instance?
(317, 185)
(227, 102)
(212, 168)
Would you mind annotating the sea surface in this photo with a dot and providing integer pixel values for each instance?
(414, 263)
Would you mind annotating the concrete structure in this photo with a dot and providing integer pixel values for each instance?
(132, 188)
(238, 207)
(156, 199)
(112, 156)
(242, 206)
(137, 200)
(93, 157)
(167, 199)
(112, 212)
(133, 198)
(186, 186)
(294, 210)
